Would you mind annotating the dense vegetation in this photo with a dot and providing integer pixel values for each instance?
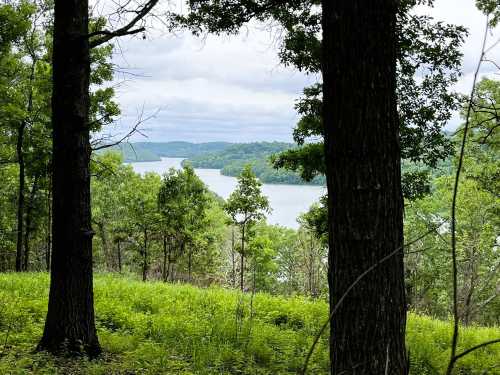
(158, 328)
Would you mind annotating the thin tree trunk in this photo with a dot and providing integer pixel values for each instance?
(233, 260)
(119, 255)
(145, 257)
(190, 261)
(169, 262)
(49, 229)
(20, 263)
(242, 271)
(105, 245)
(70, 322)
(364, 187)
(165, 255)
(20, 198)
(29, 215)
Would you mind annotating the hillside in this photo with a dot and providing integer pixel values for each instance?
(153, 151)
(232, 159)
(157, 328)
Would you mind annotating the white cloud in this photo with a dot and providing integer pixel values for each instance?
(233, 88)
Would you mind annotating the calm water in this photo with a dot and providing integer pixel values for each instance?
(287, 201)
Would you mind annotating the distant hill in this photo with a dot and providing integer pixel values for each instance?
(229, 158)
(154, 151)
(232, 159)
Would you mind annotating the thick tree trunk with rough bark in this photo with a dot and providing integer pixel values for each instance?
(70, 324)
(364, 186)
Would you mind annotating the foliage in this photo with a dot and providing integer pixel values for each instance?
(246, 205)
(485, 117)
(428, 264)
(428, 48)
(25, 125)
(159, 328)
(233, 159)
(491, 8)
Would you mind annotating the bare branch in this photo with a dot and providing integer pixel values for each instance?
(126, 137)
(479, 346)
(128, 29)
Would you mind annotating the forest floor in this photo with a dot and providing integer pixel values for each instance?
(158, 328)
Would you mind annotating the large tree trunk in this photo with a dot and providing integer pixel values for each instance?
(70, 322)
(364, 186)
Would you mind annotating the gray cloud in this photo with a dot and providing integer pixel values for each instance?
(233, 88)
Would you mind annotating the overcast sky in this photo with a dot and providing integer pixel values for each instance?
(234, 88)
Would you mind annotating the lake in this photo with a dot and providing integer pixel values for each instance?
(287, 201)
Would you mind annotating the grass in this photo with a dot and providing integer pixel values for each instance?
(156, 328)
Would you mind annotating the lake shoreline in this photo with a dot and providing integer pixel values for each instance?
(288, 201)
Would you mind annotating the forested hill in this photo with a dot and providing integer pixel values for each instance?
(228, 157)
(154, 151)
(232, 159)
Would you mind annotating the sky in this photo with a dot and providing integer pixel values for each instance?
(234, 88)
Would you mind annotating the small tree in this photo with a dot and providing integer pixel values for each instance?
(182, 201)
(246, 205)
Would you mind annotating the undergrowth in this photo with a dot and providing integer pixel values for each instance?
(157, 328)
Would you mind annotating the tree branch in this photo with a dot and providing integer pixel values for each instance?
(128, 29)
(454, 339)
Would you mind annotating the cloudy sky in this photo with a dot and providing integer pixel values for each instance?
(234, 88)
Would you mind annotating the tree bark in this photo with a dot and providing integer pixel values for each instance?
(70, 323)
(364, 186)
